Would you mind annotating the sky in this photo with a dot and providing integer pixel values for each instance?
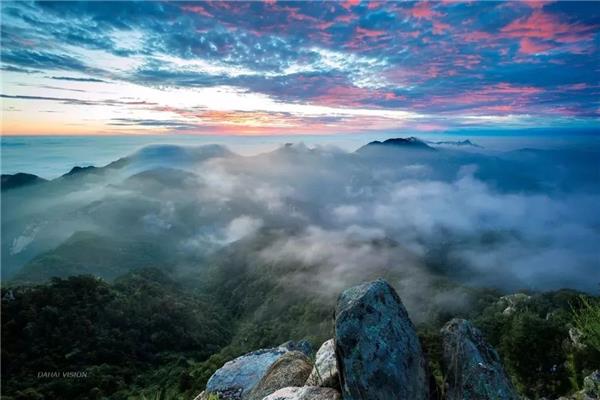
(286, 68)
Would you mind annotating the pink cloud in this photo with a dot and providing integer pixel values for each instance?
(545, 26)
(369, 32)
(429, 127)
(577, 86)
(353, 96)
(504, 108)
(507, 88)
(295, 14)
(422, 10)
(476, 36)
(537, 4)
(197, 9)
(564, 110)
(374, 38)
(362, 36)
(468, 61)
(501, 97)
(349, 96)
(348, 4)
(439, 27)
(529, 46)
(433, 71)
(393, 96)
(372, 5)
(347, 18)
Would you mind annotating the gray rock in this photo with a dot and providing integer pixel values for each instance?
(473, 368)
(513, 302)
(378, 353)
(591, 385)
(301, 345)
(236, 379)
(305, 393)
(325, 372)
(291, 369)
(201, 396)
(576, 336)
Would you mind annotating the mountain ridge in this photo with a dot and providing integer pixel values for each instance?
(411, 143)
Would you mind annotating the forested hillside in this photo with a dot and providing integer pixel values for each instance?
(146, 333)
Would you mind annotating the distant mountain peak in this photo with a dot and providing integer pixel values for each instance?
(171, 152)
(18, 180)
(296, 146)
(407, 143)
(293, 148)
(78, 170)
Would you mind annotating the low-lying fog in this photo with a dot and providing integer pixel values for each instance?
(512, 220)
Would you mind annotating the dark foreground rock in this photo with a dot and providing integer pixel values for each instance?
(305, 393)
(473, 368)
(378, 353)
(291, 369)
(237, 378)
(325, 372)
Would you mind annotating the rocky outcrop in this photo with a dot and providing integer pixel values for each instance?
(305, 393)
(575, 338)
(325, 372)
(302, 346)
(378, 353)
(375, 355)
(291, 369)
(201, 396)
(590, 390)
(513, 302)
(591, 385)
(473, 368)
(237, 378)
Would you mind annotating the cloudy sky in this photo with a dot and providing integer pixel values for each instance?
(266, 68)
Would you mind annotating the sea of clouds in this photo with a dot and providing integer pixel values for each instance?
(515, 220)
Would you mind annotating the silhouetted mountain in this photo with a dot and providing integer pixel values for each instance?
(406, 143)
(174, 156)
(18, 180)
(81, 170)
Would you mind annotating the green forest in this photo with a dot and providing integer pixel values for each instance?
(151, 335)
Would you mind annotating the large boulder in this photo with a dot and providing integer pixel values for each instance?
(378, 353)
(473, 368)
(305, 393)
(291, 369)
(325, 371)
(236, 379)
